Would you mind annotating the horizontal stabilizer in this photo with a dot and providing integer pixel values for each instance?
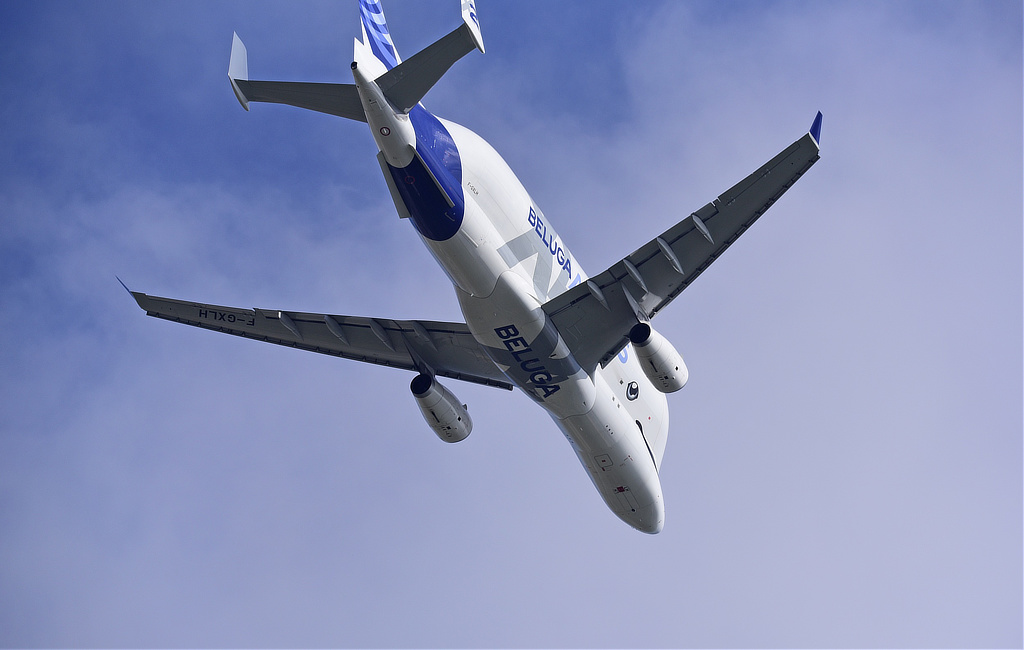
(334, 99)
(407, 83)
(404, 85)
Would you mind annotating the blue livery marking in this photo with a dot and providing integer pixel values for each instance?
(531, 369)
(550, 241)
(427, 204)
(372, 15)
(816, 128)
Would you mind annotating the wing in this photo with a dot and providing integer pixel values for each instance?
(594, 318)
(443, 349)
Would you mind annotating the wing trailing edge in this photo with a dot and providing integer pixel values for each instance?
(435, 348)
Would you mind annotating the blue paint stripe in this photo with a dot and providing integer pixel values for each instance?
(383, 47)
(431, 214)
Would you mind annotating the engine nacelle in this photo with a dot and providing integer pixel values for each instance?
(441, 409)
(659, 360)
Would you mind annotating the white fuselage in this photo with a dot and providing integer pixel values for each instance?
(505, 262)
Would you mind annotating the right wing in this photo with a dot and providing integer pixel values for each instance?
(442, 349)
(594, 318)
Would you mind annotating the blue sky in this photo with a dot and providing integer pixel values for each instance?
(845, 465)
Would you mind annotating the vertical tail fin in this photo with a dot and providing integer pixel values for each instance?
(376, 35)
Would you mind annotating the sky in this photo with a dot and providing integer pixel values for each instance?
(845, 464)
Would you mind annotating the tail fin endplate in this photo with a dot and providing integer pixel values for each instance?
(238, 69)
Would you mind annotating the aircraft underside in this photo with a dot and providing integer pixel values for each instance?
(581, 347)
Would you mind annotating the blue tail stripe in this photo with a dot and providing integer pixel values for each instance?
(379, 30)
(376, 26)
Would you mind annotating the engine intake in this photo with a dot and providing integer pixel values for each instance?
(441, 409)
(658, 359)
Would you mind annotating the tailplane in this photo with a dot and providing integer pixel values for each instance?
(334, 99)
(377, 36)
(403, 83)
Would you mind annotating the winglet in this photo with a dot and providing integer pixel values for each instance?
(238, 69)
(472, 21)
(816, 129)
(136, 296)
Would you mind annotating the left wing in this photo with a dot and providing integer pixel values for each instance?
(594, 318)
(442, 349)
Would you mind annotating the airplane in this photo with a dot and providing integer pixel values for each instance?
(582, 347)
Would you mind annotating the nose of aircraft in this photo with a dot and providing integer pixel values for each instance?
(650, 520)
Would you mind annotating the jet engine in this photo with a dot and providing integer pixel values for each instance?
(441, 409)
(659, 360)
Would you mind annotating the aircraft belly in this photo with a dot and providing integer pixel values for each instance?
(645, 404)
(522, 341)
(504, 261)
(613, 451)
(470, 258)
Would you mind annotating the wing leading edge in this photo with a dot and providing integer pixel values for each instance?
(442, 349)
(595, 317)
